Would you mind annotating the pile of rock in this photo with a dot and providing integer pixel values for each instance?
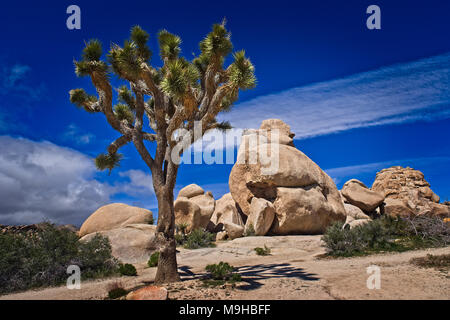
(407, 192)
(129, 230)
(396, 191)
(297, 197)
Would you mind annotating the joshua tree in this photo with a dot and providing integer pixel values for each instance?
(173, 97)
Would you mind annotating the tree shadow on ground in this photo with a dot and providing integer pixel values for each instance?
(186, 273)
(253, 275)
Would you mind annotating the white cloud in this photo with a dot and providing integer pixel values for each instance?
(41, 180)
(74, 133)
(140, 183)
(400, 93)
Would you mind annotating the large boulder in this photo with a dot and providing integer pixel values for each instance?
(190, 191)
(130, 244)
(396, 208)
(265, 167)
(207, 204)
(351, 223)
(114, 216)
(233, 230)
(194, 207)
(410, 187)
(303, 211)
(261, 216)
(225, 211)
(187, 213)
(357, 194)
(355, 212)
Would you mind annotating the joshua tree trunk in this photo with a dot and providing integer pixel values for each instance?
(167, 264)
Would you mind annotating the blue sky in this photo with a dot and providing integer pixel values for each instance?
(358, 100)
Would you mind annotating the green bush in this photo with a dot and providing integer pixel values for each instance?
(222, 271)
(386, 234)
(154, 258)
(199, 238)
(117, 293)
(250, 231)
(41, 258)
(262, 251)
(127, 270)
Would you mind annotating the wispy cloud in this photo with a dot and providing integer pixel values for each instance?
(75, 134)
(14, 82)
(399, 93)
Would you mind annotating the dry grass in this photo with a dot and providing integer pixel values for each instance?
(440, 262)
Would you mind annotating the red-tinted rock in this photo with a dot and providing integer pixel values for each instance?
(148, 293)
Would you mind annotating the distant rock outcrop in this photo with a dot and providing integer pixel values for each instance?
(407, 192)
(113, 216)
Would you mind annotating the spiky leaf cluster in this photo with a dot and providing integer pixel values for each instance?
(242, 72)
(80, 98)
(123, 112)
(222, 126)
(91, 60)
(217, 43)
(169, 45)
(179, 76)
(126, 96)
(108, 161)
(125, 60)
(140, 38)
(92, 51)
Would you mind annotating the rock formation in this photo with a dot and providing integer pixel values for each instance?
(260, 219)
(194, 207)
(356, 193)
(225, 212)
(113, 216)
(130, 244)
(304, 197)
(407, 192)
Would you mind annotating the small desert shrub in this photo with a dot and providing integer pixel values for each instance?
(154, 258)
(250, 231)
(199, 238)
(180, 233)
(181, 228)
(262, 251)
(386, 234)
(440, 262)
(127, 270)
(116, 290)
(223, 271)
(41, 258)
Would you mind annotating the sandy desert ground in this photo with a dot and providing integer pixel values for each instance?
(294, 270)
